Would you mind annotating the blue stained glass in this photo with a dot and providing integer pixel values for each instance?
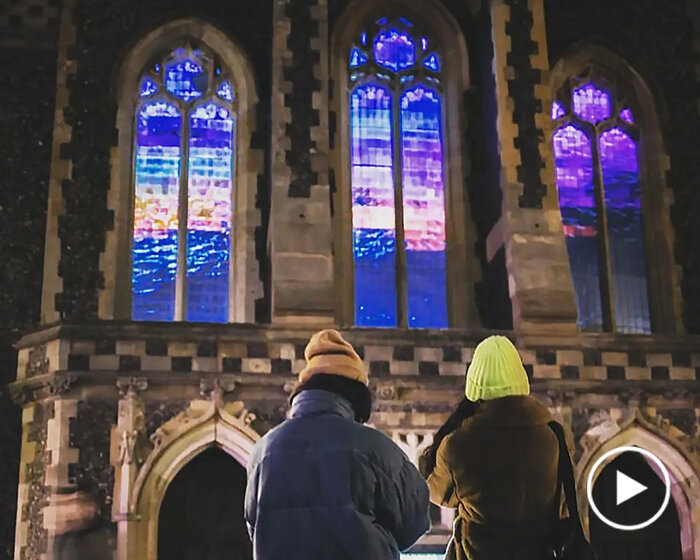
(592, 104)
(626, 115)
(155, 236)
(557, 111)
(424, 207)
(185, 79)
(373, 207)
(225, 91)
(574, 178)
(363, 39)
(432, 62)
(209, 213)
(620, 167)
(148, 87)
(424, 43)
(394, 50)
(357, 58)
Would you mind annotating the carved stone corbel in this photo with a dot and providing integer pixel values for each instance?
(215, 387)
(60, 383)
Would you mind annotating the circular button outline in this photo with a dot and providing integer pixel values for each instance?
(617, 451)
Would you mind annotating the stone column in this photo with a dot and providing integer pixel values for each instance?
(300, 219)
(127, 454)
(539, 277)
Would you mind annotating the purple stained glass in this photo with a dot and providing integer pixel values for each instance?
(557, 111)
(574, 178)
(591, 104)
(185, 79)
(394, 50)
(357, 58)
(424, 207)
(209, 213)
(373, 206)
(432, 62)
(148, 87)
(155, 236)
(626, 115)
(620, 167)
(225, 91)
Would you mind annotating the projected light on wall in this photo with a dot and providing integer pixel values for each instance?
(184, 151)
(595, 137)
(397, 179)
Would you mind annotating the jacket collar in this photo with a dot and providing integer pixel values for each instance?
(314, 402)
(513, 411)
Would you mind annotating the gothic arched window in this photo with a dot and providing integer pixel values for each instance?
(397, 176)
(597, 157)
(184, 147)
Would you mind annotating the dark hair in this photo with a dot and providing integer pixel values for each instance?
(464, 409)
(356, 392)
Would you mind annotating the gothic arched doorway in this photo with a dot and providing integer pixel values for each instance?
(659, 541)
(201, 517)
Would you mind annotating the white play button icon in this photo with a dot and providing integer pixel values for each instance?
(627, 488)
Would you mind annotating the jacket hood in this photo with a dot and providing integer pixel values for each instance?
(315, 402)
(513, 411)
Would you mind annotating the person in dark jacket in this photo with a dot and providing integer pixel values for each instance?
(321, 485)
(495, 461)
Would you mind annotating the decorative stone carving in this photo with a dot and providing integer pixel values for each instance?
(60, 383)
(214, 387)
(38, 362)
(131, 386)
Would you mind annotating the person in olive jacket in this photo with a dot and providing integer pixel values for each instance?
(495, 461)
(323, 486)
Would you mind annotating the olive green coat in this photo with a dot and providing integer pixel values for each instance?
(499, 469)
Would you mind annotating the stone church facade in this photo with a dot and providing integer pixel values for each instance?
(119, 407)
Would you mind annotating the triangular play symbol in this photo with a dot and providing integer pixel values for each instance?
(627, 488)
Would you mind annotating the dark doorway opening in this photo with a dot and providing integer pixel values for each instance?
(660, 541)
(201, 517)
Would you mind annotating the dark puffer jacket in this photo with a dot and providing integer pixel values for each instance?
(500, 470)
(322, 486)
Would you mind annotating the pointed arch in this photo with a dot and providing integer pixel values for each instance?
(115, 300)
(203, 425)
(461, 266)
(595, 62)
(684, 471)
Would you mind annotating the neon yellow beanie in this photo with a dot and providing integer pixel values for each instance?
(496, 371)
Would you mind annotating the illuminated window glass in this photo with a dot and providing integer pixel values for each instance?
(597, 176)
(397, 179)
(183, 188)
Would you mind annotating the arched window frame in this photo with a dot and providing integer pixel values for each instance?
(115, 262)
(462, 266)
(663, 272)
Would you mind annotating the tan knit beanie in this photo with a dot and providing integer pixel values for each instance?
(328, 352)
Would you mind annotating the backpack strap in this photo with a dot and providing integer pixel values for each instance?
(565, 475)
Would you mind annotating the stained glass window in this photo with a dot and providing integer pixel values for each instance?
(397, 179)
(183, 187)
(597, 176)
